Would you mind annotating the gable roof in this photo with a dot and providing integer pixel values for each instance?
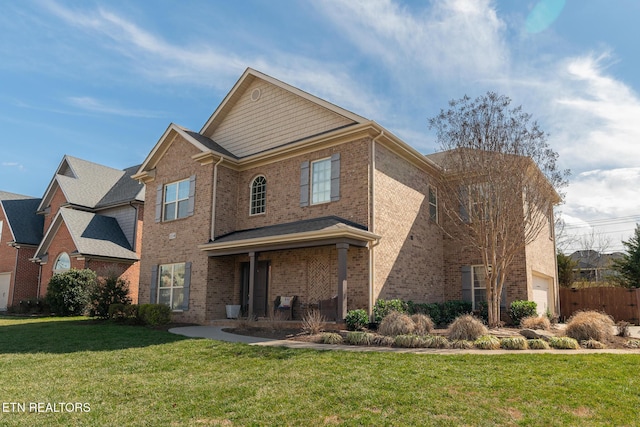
(123, 191)
(5, 195)
(25, 225)
(92, 234)
(86, 184)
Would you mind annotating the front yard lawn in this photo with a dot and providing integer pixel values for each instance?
(129, 375)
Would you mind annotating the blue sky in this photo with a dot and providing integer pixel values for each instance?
(101, 80)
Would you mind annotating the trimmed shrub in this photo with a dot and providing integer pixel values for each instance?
(357, 319)
(123, 313)
(423, 324)
(514, 343)
(331, 338)
(592, 344)
(586, 325)
(462, 344)
(535, 322)
(538, 344)
(518, 310)
(451, 310)
(68, 293)
(437, 341)
(433, 310)
(396, 323)
(466, 327)
(313, 322)
(106, 291)
(359, 338)
(563, 343)
(487, 342)
(383, 307)
(154, 314)
(409, 341)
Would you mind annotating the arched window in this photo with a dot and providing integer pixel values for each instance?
(258, 195)
(63, 263)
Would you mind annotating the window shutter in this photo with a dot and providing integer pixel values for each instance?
(304, 183)
(335, 177)
(192, 195)
(464, 203)
(187, 286)
(154, 284)
(159, 203)
(467, 283)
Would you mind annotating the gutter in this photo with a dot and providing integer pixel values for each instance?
(213, 199)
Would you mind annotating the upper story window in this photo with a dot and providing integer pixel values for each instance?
(62, 264)
(175, 200)
(258, 195)
(321, 181)
(433, 204)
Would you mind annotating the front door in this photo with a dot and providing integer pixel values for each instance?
(260, 288)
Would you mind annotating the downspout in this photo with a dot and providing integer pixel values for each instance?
(213, 199)
(372, 228)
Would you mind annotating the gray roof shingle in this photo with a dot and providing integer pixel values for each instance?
(125, 190)
(26, 225)
(91, 183)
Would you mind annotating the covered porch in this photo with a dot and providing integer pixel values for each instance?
(310, 259)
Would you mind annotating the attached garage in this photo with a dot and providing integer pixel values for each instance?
(5, 282)
(541, 287)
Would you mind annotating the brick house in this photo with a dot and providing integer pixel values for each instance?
(20, 234)
(284, 194)
(92, 217)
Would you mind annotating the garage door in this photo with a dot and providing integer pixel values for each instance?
(541, 293)
(5, 281)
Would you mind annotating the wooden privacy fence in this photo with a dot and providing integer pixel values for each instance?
(619, 303)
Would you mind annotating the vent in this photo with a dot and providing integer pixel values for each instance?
(255, 94)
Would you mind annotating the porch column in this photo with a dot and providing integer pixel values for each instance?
(252, 278)
(342, 280)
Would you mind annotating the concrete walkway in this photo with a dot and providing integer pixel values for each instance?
(216, 333)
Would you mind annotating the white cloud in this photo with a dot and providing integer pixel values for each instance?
(16, 165)
(96, 106)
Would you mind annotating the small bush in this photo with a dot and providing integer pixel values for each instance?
(68, 293)
(106, 291)
(359, 338)
(487, 342)
(563, 343)
(123, 313)
(396, 323)
(514, 343)
(383, 307)
(592, 344)
(462, 344)
(331, 338)
(409, 341)
(466, 327)
(313, 322)
(154, 314)
(634, 343)
(357, 320)
(423, 324)
(623, 328)
(451, 310)
(538, 344)
(518, 310)
(437, 341)
(535, 322)
(432, 310)
(586, 325)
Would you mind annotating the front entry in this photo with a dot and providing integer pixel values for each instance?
(260, 288)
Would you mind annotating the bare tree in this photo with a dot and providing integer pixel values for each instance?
(499, 186)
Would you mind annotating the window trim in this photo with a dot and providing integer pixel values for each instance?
(327, 181)
(171, 288)
(176, 201)
(252, 186)
(473, 285)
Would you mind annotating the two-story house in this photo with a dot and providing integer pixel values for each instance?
(20, 234)
(282, 193)
(92, 218)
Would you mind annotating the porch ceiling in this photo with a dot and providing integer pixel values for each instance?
(299, 234)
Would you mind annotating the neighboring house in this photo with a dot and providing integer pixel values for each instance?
(20, 234)
(593, 266)
(284, 194)
(92, 219)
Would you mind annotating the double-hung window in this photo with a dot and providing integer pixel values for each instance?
(321, 181)
(479, 289)
(258, 195)
(171, 285)
(176, 200)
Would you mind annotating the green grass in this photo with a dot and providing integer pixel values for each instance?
(138, 376)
